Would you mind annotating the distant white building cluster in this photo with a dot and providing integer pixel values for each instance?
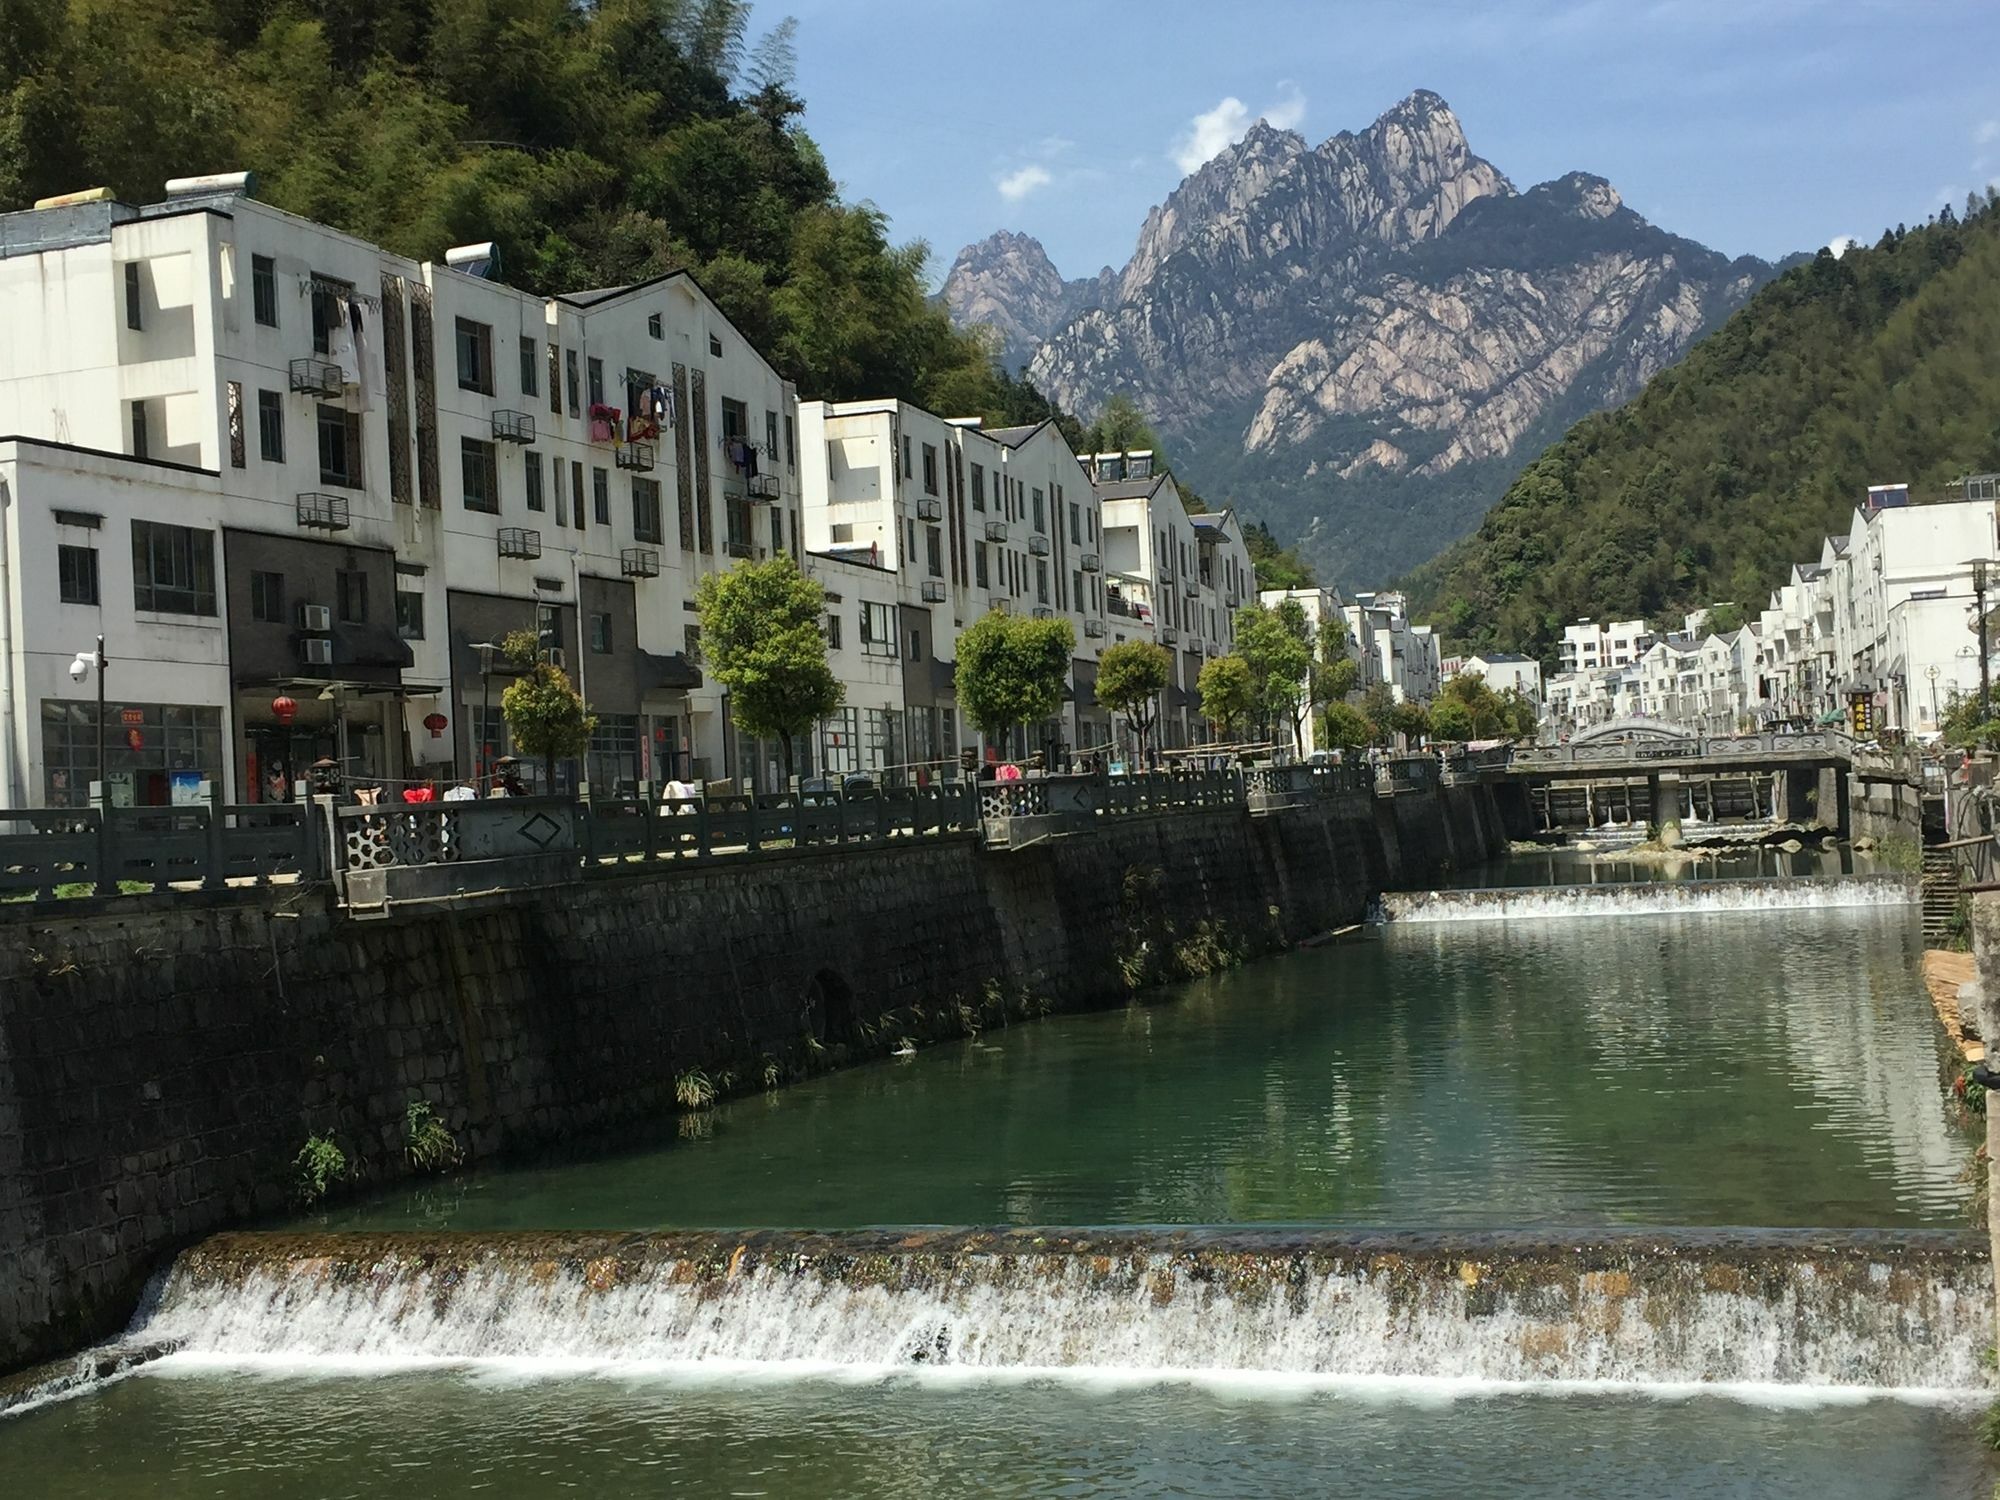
(305, 488)
(1387, 647)
(1879, 633)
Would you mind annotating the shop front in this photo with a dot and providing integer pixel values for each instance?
(155, 754)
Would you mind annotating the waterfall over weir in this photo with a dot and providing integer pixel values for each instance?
(1799, 1308)
(1648, 899)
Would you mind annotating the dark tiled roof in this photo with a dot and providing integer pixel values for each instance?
(1013, 437)
(1127, 489)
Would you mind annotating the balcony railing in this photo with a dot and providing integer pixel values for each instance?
(513, 427)
(1039, 546)
(1090, 562)
(1044, 612)
(1168, 635)
(317, 377)
(741, 547)
(934, 591)
(639, 562)
(1093, 627)
(638, 457)
(930, 509)
(321, 512)
(762, 486)
(519, 541)
(996, 531)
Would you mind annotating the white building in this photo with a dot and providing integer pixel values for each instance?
(1588, 644)
(1502, 671)
(354, 470)
(1407, 656)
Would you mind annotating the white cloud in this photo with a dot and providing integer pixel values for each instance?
(1213, 131)
(1016, 185)
(1840, 244)
(1987, 133)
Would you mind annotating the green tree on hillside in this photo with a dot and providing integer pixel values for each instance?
(1730, 466)
(1276, 644)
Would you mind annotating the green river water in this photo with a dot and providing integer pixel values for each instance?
(1705, 1068)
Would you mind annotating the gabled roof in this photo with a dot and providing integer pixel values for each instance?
(1129, 489)
(1498, 656)
(1013, 437)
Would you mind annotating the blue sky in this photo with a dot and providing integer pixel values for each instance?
(1755, 126)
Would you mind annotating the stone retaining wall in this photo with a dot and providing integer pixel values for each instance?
(163, 1059)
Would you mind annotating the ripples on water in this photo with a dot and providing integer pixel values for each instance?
(1771, 1068)
(445, 1434)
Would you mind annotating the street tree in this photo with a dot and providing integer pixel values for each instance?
(762, 638)
(545, 714)
(1277, 646)
(1345, 727)
(1228, 694)
(1130, 678)
(1012, 669)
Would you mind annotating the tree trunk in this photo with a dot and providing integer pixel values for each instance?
(785, 755)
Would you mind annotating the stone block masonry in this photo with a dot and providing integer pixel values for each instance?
(163, 1059)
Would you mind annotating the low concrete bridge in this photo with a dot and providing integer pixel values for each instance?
(1636, 770)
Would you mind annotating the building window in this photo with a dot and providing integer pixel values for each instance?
(326, 312)
(409, 615)
(576, 493)
(267, 598)
(530, 361)
(351, 596)
(645, 510)
(978, 488)
(878, 635)
(264, 290)
(271, 427)
(714, 347)
(916, 645)
(777, 531)
(691, 641)
(771, 436)
(833, 632)
(656, 326)
(340, 447)
(1041, 582)
(533, 471)
(595, 370)
(1040, 523)
(173, 569)
(979, 564)
(475, 356)
(142, 441)
(1076, 523)
(134, 309)
(934, 550)
(555, 383)
(600, 497)
(479, 475)
(907, 471)
(570, 382)
(930, 470)
(76, 574)
(600, 634)
(791, 442)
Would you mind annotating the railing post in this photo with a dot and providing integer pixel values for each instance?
(103, 884)
(882, 829)
(213, 878)
(839, 817)
(651, 814)
(750, 824)
(701, 829)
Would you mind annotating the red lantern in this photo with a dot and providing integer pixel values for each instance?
(435, 723)
(284, 707)
(135, 740)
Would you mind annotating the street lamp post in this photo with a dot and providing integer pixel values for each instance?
(1932, 672)
(86, 662)
(1979, 565)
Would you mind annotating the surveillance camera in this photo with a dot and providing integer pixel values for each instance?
(79, 669)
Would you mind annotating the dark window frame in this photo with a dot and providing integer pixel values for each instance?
(264, 291)
(352, 473)
(478, 457)
(185, 556)
(77, 579)
(271, 427)
(267, 597)
(474, 340)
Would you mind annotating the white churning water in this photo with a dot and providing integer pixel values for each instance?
(1655, 898)
(1758, 1310)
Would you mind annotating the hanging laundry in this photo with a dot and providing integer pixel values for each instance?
(749, 460)
(340, 341)
(374, 381)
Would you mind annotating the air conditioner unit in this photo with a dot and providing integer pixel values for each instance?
(316, 650)
(315, 617)
(556, 658)
(930, 510)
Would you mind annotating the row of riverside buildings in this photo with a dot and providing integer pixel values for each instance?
(303, 488)
(1878, 633)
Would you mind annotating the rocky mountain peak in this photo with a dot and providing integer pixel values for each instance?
(1008, 283)
(1583, 194)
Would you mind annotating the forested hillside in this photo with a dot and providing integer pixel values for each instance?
(1877, 366)
(598, 141)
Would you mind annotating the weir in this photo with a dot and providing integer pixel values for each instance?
(1649, 898)
(1906, 1311)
